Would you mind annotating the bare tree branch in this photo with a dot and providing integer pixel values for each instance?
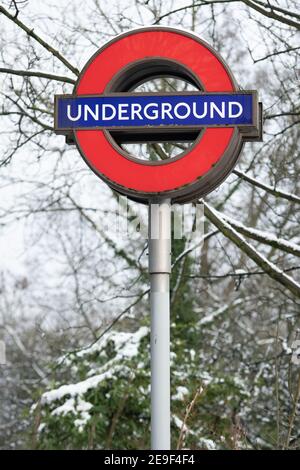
(276, 192)
(276, 8)
(272, 14)
(238, 275)
(268, 56)
(274, 116)
(251, 4)
(42, 42)
(193, 6)
(27, 73)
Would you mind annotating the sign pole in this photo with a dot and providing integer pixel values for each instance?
(160, 269)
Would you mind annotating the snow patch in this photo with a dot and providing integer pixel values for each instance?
(126, 343)
(209, 444)
(126, 346)
(79, 388)
(67, 407)
(211, 316)
(180, 394)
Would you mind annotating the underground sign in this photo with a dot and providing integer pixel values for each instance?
(105, 112)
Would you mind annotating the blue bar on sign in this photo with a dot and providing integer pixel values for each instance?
(192, 110)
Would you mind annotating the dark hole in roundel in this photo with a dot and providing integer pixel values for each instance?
(159, 76)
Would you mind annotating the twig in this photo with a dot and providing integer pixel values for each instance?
(26, 73)
(42, 42)
(276, 192)
(188, 411)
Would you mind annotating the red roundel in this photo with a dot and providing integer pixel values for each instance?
(213, 154)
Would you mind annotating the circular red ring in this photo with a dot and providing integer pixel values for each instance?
(166, 43)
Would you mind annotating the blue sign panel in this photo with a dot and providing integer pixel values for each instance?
(144, 110)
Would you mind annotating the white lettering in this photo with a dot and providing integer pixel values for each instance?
(94, 114)
(154, 114)
(76, 118)
(166, 109)
(104, 115)
(136, 111)
(200, 116)
(230, 111)
(154, 111)
(182, 105)
(220, 112)
(123, 109)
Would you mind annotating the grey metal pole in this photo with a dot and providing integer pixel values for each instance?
(160, 269)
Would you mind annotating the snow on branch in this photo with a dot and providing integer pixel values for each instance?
(220, 311)
(126, 346)
(271, 269)
(276, 192)
(263, 237)
(79, 388)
